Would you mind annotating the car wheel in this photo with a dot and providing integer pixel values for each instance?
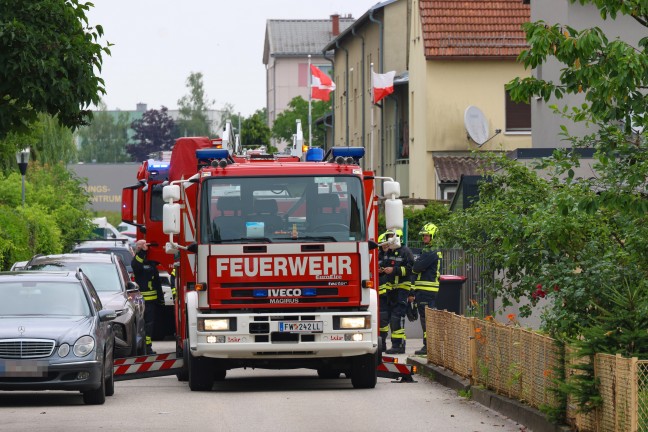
(98, 395)
(110, 380)
(201, 373)
(363, 371)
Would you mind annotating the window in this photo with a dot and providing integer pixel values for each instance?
(518, 115)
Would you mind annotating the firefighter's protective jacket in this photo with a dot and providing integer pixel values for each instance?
(147, 277)
(427, 269)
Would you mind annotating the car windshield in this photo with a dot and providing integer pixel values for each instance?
(104, 276)
(43, 298)
(125, 254)
(282, 209)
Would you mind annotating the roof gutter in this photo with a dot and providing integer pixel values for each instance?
(353, 32)
(382, 112)
(346, 88)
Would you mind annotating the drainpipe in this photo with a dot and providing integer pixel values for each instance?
(397, 132)
(362, 71)
(382, 111)
(346, 88)
(332, 100)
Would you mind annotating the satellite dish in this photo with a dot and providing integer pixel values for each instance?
(476, 125)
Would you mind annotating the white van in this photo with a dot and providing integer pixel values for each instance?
(106, 230)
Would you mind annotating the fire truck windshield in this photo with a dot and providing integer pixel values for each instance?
(282, 209)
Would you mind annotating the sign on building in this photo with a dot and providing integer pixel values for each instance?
(105, 182)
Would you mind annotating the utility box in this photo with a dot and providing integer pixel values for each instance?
(449, 296)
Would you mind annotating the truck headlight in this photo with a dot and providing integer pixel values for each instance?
(355, 322)
(213, 324)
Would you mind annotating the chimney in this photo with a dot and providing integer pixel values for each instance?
(335, 22)
(141, 107)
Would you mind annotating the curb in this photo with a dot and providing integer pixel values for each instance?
(516, 411)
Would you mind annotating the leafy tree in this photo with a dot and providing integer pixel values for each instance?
(52, 143)
(105, 138)
(50, 56)
(227, 113)
(255, 130)
(56, 213)
(193, 107)
(49, 142)
(284, 125)
(155, 131)
(582, 243)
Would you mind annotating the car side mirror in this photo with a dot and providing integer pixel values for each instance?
(107, 315)
(132, 287)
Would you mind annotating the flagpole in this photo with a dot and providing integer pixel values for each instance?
(372, 121)
(310, 97)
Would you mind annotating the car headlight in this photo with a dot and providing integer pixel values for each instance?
(63, 350)
(213, 324)
(84, 346)
(355, 322)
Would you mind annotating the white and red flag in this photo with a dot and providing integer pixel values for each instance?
(382, 85)
(322, 84)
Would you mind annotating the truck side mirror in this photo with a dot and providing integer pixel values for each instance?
(171, 218)
(393, 206)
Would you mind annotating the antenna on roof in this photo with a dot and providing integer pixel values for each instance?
(477, 126)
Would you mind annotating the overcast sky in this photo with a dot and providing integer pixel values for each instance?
(158, 43)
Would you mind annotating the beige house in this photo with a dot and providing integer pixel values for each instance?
(448, 55)
(288, 43)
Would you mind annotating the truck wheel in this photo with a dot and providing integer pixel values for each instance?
(183, 373)
(363, 371)
(219, 374)
(201, 373)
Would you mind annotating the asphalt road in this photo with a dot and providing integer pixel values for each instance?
(255, 400)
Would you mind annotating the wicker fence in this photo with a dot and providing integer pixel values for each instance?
(519, 364)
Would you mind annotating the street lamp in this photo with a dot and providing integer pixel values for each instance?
(22, 157)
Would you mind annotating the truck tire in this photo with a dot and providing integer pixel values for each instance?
(183, 373)
(363, 371)
(201, 373)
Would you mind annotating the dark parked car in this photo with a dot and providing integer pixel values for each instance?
(110, 278)
(55, 335)
(119, 247)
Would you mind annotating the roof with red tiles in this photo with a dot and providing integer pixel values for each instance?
(473, 28)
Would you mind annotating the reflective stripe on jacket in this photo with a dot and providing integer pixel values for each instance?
(427, 269)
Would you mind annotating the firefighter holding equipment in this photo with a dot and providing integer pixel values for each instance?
(395, 273)
(426, 271)
(148, 279)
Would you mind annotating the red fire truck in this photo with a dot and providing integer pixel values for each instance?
(276, 263)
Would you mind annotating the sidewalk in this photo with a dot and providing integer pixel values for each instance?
(528, 416)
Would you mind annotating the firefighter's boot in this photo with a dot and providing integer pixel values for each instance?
(398, 347)
(422, 351)
(383, 337)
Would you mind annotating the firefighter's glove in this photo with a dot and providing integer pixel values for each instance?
(412, 311)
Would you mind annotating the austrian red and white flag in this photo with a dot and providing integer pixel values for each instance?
(382, 84)
(322, 84)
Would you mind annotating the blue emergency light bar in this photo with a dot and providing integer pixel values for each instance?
(314, 154)
(354, 152)
(156, 166)
(206, 154)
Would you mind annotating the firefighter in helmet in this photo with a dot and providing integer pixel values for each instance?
(384, 286)
(395, 273)
(426, 271)
(148, 279)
